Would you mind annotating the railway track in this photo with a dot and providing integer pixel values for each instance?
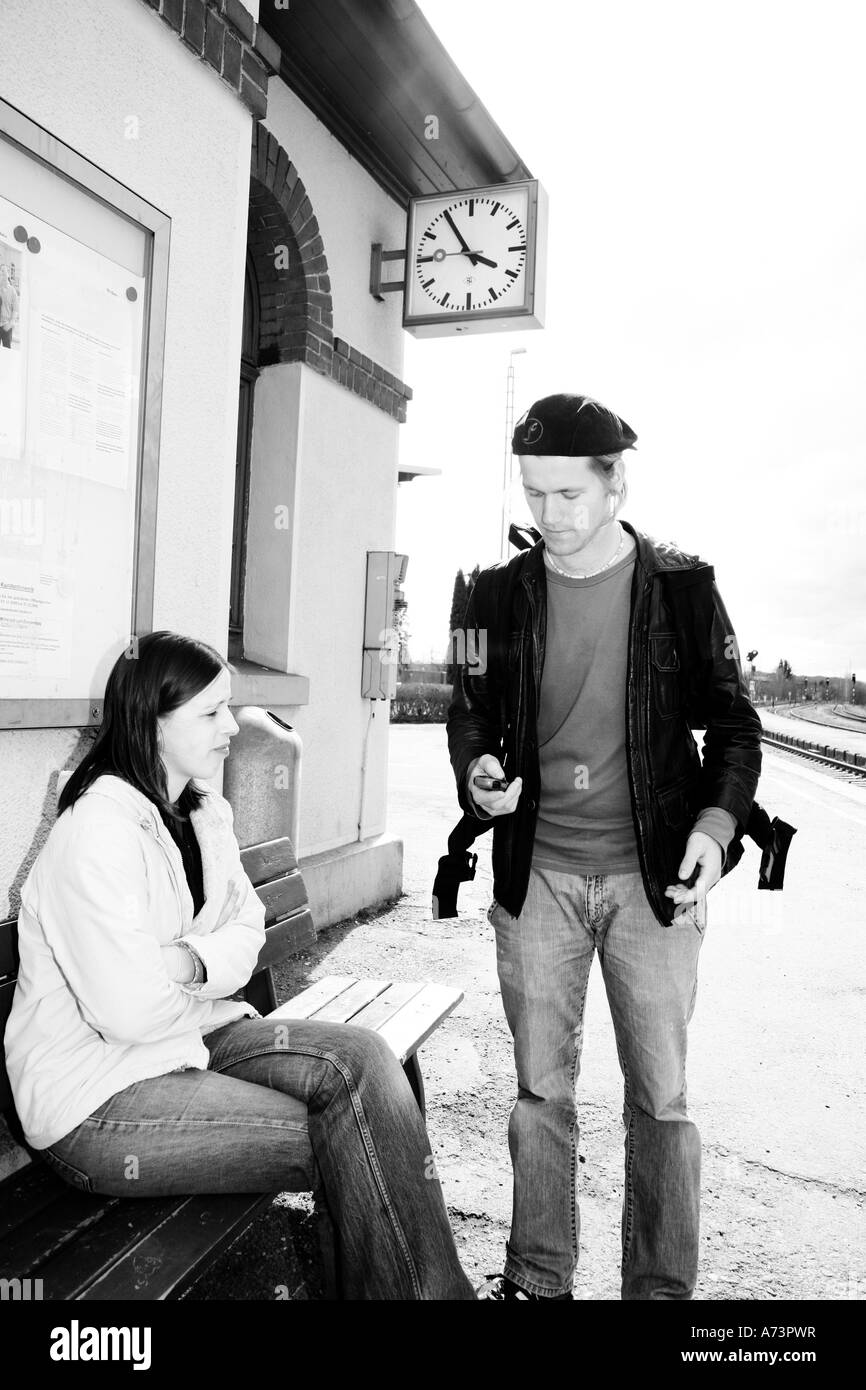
(848, 719)
(854, 715)
(851, 766)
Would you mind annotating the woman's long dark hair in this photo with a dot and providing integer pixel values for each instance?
(155, 675)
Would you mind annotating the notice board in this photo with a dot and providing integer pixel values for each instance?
(80, 365)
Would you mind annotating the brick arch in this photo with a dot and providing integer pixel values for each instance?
(296, 322)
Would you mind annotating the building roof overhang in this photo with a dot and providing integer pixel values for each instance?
(408, 471)
(374, 72)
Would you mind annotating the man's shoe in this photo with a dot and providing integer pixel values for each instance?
(500, 1287)
(497, 1286)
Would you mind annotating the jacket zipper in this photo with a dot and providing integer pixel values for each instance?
(634, 745)
(155, 833)
(533, 624)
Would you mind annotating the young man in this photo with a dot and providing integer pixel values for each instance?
(604, 649)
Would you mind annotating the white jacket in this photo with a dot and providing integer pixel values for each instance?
(94, 1009)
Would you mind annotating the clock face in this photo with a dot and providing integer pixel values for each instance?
(475, 260)
(470, 253)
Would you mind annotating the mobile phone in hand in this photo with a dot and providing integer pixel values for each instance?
(490, 784)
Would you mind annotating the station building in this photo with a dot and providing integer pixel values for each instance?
(236, 160)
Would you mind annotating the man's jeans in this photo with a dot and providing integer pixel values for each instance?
(650, 974)
(278, 1102)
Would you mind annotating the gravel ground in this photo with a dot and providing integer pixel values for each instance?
(782, 1180)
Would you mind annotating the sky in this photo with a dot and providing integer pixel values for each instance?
(706, 280)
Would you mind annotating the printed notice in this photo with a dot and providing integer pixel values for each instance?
(35, 622)
(83, 364)
(71, 360)
(13, 322)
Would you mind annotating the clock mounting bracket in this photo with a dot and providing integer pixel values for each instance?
(378, 256)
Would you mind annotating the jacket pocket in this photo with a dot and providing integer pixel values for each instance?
(675, 805)
(665, 666)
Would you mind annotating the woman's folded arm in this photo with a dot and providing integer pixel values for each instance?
(230, 951)
(96, 920)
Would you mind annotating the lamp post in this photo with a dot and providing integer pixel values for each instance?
(506, 465)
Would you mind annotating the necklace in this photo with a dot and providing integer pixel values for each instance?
(567, 574)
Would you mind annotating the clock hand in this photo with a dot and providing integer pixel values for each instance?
(484, 259)
(453, 225)
(440, 256)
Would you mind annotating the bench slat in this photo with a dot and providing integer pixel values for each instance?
(45, 1233)
(124, 1256)
(282, 896)
(268, 860)
(318, 994)
(286, 938)
(97, 1248)
(166, 1260)
(386, 1005)
(407, 1029)
(26, 1192)
(351, 1001)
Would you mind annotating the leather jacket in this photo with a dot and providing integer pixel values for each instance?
(683, 673)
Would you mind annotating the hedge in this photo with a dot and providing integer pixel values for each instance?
(420, 704)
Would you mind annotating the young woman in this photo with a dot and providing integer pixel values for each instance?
(132, 1070)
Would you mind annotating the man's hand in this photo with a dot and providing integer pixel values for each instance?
(702, 853)
(492, 803)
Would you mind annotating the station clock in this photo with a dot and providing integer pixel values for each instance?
(475, 260)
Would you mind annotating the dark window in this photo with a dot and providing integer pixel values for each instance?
(249, 372)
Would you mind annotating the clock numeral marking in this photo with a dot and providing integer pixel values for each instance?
(429, 236)
(512, 273)
(444, 300)
(515, 223)
(495, 209)
(469, 301)
(492, 293)
(471, 207)
(425, 284)
(518, 248)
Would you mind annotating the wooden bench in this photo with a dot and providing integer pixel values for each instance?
(82, 1246)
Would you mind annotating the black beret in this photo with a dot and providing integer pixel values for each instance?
(571, 426)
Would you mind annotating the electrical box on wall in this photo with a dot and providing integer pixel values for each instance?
(385, 572)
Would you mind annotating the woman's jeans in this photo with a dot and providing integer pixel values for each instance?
(650, 974)
(279, 1101)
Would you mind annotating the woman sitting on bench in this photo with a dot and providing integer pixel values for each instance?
(132, 1070)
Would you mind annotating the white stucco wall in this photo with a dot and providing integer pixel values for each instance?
(347, 483)
(353, 212)
(80, 68)
(342, 488)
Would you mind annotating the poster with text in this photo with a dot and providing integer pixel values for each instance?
(71, 332)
